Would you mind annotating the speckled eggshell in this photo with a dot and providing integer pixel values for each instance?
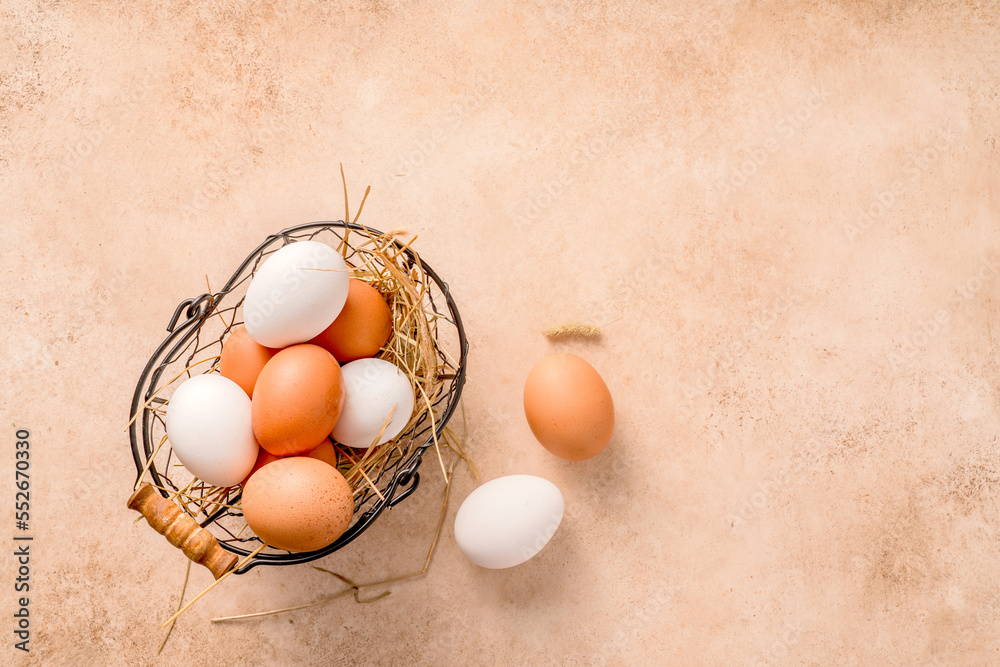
(569, 407)
(362, 328)
(297, 400)
(298, 504)
(243, 358)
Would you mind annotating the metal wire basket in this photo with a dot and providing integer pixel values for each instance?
(196, 332)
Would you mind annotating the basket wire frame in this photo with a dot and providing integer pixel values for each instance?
(196, 333)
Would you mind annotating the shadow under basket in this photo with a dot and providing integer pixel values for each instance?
(196, 332)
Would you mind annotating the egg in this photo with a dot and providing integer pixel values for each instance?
(295, 294)
(263, 458)
(362, 327)
(243, 358)
(298, 504)
(209, 425)
(325, 453)
(374, 389)
(297, 400)
(569, 407)
(508, 520)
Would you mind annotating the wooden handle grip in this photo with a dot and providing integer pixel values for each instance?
(181, 530)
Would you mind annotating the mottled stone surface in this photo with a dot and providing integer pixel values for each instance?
(786, 213)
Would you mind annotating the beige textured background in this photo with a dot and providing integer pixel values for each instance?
(792, 207)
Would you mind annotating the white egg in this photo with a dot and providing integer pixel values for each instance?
(372, 389)
(208, 423)
(296, 293)
(508, 520)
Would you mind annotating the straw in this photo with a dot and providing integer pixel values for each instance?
(357, 588)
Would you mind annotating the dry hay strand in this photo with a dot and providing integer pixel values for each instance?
(357, 588)
(573, 329)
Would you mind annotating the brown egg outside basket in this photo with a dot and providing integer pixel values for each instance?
(212, 531)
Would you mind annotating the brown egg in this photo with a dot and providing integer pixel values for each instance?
(263, 458)
(362, 328)
(243, 358)
(298, 504)
(297, 400)
(568, 406)
(325, 453)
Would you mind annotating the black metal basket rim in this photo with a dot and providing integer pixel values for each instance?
(197, 309)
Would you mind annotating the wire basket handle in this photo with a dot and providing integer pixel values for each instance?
(197, 308)
(181, 530)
